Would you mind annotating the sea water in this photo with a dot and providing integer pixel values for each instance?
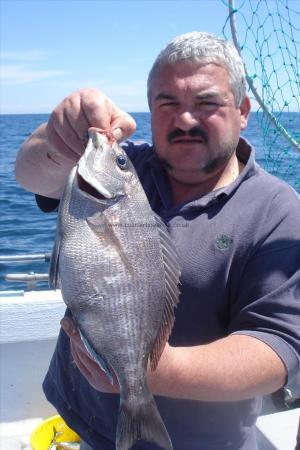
(25, 229)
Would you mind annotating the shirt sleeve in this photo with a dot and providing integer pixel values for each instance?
(46, 204)
(267, 305)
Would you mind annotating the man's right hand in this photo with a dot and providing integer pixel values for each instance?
(47, 156)
(69, 122)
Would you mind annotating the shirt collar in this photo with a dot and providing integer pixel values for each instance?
(245, 153)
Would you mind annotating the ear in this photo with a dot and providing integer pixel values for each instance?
(244, 112)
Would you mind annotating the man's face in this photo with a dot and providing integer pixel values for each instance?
(195, 123)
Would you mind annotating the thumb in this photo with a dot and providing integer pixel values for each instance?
(69, 327)
(122, 126)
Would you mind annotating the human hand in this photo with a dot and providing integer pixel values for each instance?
(87, 366)
(69, 122)
(157, 379)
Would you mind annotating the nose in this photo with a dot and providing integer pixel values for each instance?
(186, 120)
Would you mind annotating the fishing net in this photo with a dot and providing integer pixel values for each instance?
(267, 35)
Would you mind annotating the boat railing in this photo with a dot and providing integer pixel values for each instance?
(25, 258)
(31, 278)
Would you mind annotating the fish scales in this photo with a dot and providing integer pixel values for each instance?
(117, 268)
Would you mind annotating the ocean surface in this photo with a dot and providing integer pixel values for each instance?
(25, 229)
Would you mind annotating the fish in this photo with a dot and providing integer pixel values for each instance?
(117, 267)
(62, 445)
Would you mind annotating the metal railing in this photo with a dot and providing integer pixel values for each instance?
(31, 279)
(25, 258)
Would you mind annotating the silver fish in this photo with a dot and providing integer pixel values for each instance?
(117, 268)
(64, 446)
(55, 445)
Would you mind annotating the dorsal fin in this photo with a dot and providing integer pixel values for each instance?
(172, 274)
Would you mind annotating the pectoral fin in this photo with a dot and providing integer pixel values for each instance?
(100, 225)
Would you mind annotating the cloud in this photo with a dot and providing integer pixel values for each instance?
(134, 87)
(24, 56)
(21, 74)
(28, 69)
(26, 108)
(129, 95)
(20, 67)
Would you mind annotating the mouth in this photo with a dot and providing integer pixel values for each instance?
(188, 141)
(88, 188)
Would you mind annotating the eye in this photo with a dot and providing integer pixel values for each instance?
(168, 105)
(209, 104)
(122, 161)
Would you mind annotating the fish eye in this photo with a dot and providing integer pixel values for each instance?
(122, 161)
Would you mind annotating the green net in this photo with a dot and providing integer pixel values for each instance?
(267, 35)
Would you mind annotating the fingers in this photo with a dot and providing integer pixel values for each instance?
(102, 113)
(68, 124)
(78, 361)
(122, 125)
(87, 366)
(66, 127)
(70, 328)
(83, 361)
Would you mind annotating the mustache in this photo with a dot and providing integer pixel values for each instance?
(193, 132)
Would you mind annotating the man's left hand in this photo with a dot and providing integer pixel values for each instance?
(85, 363)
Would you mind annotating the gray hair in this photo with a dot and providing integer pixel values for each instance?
(204, 48)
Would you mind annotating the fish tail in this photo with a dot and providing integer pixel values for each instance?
(143, 422)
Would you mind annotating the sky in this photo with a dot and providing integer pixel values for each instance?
(51, 48)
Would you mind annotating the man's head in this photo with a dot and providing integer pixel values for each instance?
(198, 106)
(203, 48)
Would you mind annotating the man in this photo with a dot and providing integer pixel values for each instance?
(237, 230)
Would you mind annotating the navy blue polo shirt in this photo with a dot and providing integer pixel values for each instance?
(239, 249)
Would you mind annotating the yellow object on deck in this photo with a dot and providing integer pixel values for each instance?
(51, 431)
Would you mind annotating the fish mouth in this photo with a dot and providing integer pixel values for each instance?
(84, 186)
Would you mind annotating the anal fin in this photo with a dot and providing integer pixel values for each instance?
(97, 358)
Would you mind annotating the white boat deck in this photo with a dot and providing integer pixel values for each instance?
(278, 431)
(29, 325)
